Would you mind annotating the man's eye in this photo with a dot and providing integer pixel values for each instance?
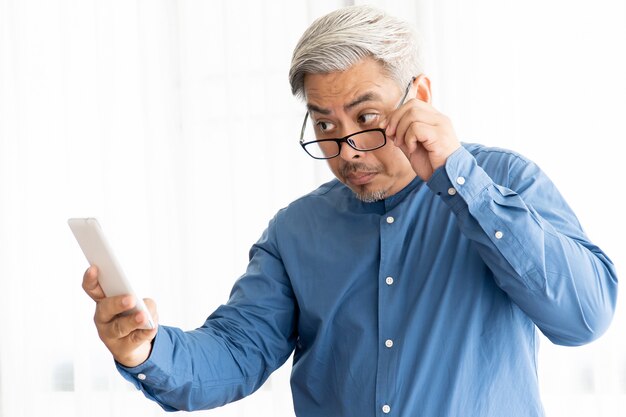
(368, 118)
(325, 126)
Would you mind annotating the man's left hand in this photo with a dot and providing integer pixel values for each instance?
(424, 135)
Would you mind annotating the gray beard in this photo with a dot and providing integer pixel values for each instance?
(364, 196)
(372, 196)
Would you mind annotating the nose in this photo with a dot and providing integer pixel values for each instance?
(348, 153)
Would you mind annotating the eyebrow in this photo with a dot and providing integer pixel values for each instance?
(368, 96)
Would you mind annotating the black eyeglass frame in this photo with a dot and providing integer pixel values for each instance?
(346, 139)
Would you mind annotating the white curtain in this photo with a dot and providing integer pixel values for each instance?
(172, 122)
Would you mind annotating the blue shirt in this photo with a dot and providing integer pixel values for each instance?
(423, 304)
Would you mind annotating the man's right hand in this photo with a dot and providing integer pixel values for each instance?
(122, 334)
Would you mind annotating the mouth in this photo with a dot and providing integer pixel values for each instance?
(360, 177)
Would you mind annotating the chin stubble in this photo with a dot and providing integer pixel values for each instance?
(371, 196)
(362, 194)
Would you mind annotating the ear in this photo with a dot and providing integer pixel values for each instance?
(421, 88)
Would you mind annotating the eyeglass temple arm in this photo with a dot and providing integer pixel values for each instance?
(406, 93)
(306, 116)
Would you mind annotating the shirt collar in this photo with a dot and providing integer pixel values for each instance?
(392, 201)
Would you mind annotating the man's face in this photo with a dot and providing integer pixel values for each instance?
(342, 103)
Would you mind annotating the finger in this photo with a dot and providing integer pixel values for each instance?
(110, 307)
(133, 349)
(91, 284)
(393, 119)
(152, 308)
(140, 336)
(415, 135)
(415, 116)
(148, 317)
(121, 326)
(141, 318)
(413, 110)
(433, 141)
(125, 334)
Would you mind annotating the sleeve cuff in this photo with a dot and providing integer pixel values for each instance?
(460, 180)
(154, 370)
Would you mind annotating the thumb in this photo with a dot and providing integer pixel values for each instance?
(91, 285)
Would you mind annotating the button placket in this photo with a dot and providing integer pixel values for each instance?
(387, 293)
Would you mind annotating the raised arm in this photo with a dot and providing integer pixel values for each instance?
(532, 242)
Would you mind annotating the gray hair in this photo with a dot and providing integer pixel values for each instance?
(340, 39)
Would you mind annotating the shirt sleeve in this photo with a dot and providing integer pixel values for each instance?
(532, 242)
(236, 349)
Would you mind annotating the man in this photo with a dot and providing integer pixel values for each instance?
(413, 284)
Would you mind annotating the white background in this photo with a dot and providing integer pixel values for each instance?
(172, 122)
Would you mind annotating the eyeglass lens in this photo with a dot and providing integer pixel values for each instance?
(364, 141)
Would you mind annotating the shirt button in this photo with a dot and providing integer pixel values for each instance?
(386, 409)
(499, 234)
(141, 377)
(390, 219)
(389, 343)
(460, 180)
(389, 281)
(451, 191)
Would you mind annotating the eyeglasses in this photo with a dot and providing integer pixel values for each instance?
(363, 141)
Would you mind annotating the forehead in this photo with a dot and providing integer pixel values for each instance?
(338, 88)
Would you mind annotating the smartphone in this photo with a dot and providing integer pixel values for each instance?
(90, 237)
